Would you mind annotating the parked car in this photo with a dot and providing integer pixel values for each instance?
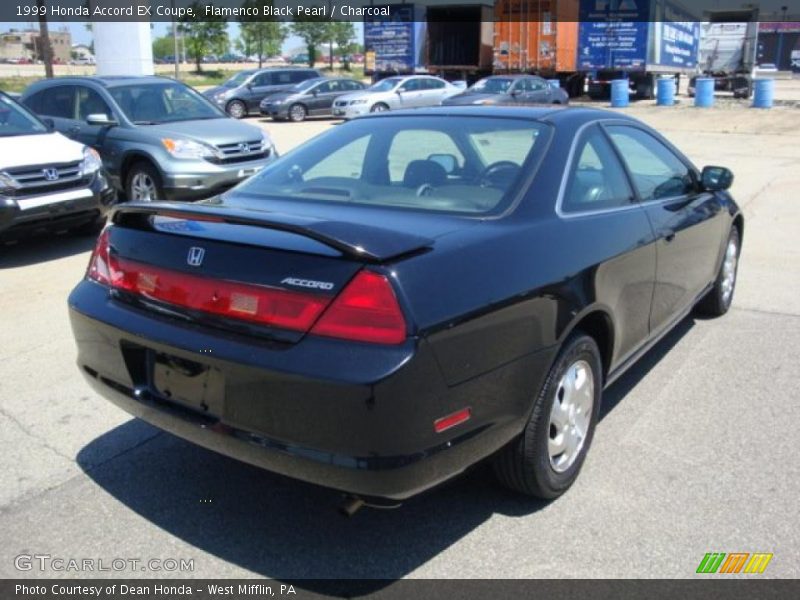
(395, 92)
(47, 181)
(377, 314)
(510, 89)
(299, 59)
(158, 138)
(311, 98)
(242, 94)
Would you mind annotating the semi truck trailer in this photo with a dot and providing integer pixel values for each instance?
(636, 41)
(728, 51)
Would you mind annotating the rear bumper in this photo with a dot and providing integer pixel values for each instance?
(54, 211)
(357, 418)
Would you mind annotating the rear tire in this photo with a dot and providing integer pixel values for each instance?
(718, 300)
(297, 113)
(546, 458)
(236, 109)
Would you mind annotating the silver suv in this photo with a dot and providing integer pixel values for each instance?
(158, 138)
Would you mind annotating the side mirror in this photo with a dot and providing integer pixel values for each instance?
(716, 178)
(314, 92)
(101, 120)
(49, 123)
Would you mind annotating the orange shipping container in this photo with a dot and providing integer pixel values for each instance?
(536, 36)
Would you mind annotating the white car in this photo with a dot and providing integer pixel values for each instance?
(47, 181)
(392, 93)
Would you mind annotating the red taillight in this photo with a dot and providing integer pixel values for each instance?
(253, 303)
(365, 311)
(98, 263)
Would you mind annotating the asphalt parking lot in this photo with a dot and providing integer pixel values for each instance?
(697, 449)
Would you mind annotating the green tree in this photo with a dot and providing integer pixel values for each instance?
(313, 31)
(203, 37)
(263, 37)
(163, 46)
(342, 33)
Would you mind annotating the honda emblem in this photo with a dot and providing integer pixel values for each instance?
(244, 148)
(196, 254)
(50, 174)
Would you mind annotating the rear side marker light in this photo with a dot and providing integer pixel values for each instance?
(456, 418)
(366, 310)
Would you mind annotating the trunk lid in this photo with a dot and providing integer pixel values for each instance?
(218, 251)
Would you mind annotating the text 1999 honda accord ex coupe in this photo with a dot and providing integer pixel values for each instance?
(410, 293)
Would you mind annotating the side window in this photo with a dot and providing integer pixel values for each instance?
(328, 86)
(434, 84)
(347, 161)
(59, 102)
(34, 102)
(536, 85)
(298, 76)
(411, 85)
(596, 178)
(91, 103)
(284, 77)
(655, 170)
(353, 85)
(263, 79)
(406, 144)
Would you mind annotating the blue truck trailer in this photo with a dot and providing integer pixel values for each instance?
(635, 40)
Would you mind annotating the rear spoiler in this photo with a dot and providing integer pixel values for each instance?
(358, 241)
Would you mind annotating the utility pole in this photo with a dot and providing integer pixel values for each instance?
(44, 36)
(175, 58)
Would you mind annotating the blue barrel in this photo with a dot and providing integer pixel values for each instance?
(554, 83)
(619, 93)
(763, 93)
(704, 92)
(665, 91)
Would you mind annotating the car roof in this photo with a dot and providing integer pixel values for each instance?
(108, 81)
(568, 115)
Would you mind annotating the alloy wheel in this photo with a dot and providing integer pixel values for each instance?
(143, 188)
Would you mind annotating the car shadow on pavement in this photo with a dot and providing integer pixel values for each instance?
(43, 248)
(284, 529)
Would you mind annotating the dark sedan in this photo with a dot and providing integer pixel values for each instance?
(510, 89)
(311, 98)
(376, 314)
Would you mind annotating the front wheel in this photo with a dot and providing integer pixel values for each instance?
(143, 183)
(379, 107)
(718, 300)
(546, 458)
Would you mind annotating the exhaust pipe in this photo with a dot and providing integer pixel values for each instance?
(350, 506)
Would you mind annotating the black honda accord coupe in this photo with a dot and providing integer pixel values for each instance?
(410, 293)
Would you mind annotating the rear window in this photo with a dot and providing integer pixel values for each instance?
(469, 165)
